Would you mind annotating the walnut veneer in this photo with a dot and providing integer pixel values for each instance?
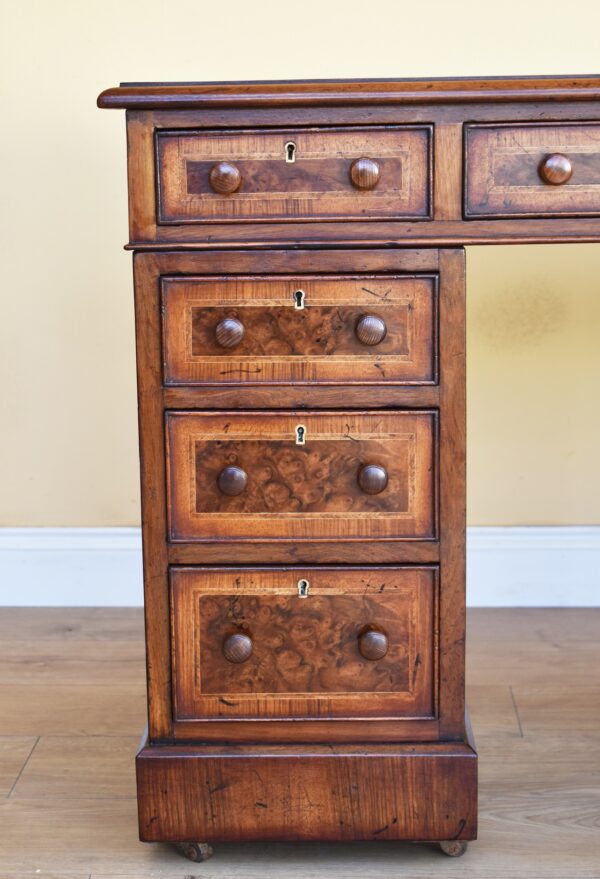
(300, 325)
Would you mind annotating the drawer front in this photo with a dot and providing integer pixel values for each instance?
(303, 329)
(295, 174)
(301, 476)
(532, 170)
(359, 644)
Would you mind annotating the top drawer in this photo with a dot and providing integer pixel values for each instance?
(294, 174)
(532, 170)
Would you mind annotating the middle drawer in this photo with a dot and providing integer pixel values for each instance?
(301, 475)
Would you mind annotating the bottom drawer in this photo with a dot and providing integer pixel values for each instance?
(304, 643)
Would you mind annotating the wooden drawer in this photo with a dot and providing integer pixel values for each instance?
(303, 329)
(359, 644)
(532, 170)
(336, 174)
(301, 476)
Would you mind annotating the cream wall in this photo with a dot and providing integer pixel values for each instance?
(68, 394)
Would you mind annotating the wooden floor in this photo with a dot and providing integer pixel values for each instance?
(72, 709)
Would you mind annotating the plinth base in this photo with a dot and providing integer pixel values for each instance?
(228, 793)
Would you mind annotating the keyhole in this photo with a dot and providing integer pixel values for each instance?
(290, 152)
(300, 435)
(303, 587)
(299, 296)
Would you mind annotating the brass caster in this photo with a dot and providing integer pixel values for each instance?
(195, 851)
(454, 848)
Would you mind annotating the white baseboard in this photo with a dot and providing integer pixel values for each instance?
(533, 566)
(71, 567)
(92, 567)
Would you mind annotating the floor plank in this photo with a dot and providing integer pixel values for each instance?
(63, 710)
(89, 663)
(43, 875)
(67, 767)
(567, 708)
(532, 665)
(543, 757)
(531, 624)
(492, 710)
(14, 753)
(72, 623)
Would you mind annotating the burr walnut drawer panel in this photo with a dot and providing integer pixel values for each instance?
(304, 329)
(532, 170)
(294, 174)
(301, 476)
(303, 642)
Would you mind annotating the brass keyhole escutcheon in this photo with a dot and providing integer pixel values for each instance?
(303, 587)
(290, 152)
(300, 435)
(299, 296)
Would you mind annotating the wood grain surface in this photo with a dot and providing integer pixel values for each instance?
(301, 492)
(503, 166)
(317, 185)
(452, 487)
(335, 92)
(305, 660)
(282, 344)
(447, 225)
(403, 264)
(318, 792)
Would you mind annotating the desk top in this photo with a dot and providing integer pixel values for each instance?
(340, 92)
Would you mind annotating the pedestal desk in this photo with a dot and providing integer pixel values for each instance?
(300, 326)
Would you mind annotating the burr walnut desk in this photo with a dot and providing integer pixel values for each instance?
(299, 288)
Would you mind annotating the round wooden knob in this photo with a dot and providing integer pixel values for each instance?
(370, 329)
(232, 481)
(556, 169)
(372, 478)
(229, 332)
(364, 173)
(373, 644)
(237, 648)
(224, 178)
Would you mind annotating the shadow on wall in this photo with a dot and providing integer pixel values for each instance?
(533, 366)
(511, 316)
